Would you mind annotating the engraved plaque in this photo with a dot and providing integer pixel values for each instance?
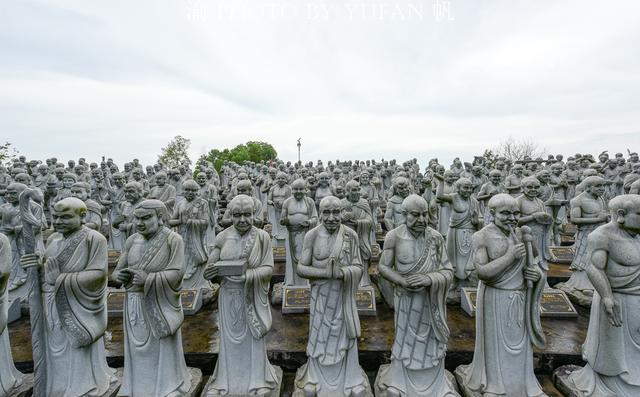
(554, 303)
(279, 254)
(298, 299)
(115, 302)
(468, 297)
(569, 228)
(562, 254)
(191, 301)
(375, 252)
(567, 240)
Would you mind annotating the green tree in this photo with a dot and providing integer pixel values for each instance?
(251, 151)
(7, 152)
(176, 152)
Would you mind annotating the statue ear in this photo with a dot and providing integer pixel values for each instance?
(620, 216)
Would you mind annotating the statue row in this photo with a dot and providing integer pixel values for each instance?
(68, 310)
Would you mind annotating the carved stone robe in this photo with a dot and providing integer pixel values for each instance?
(334, 325)
(75, 314)
(244, 317)
(154, 362)
(195, 251)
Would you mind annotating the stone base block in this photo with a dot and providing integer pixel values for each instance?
(578, 297)
(300, 393)
(561, 380)
(383, 392)
(273, 393)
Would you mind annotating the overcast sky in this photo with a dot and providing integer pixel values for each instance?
(355, 79)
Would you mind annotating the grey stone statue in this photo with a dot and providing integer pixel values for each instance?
(331, 261)
(588, 211)
(357, 215)
(73, 286)
(150, 268)
(611, 349)
(243, 258)
(508, 308)
(534, 214)
(11, 380)
(275, 198)
(415, 261)
(298, 215)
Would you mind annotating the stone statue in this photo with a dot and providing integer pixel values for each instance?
(244, 253)
(464, 222)
(209, 192)
(11, 380)
(11, 226)
(444, 211)
(323, 189)
(588, 211)
(132, 197)
(150, 268)
(298, 215)
(191, 220)
(611, 349)
(244, 188)
(393, 216)
(415, 261)
(508, 308)
(163, 191)
(357, 215)
(276, 196)
(114, 207)
(513, 181)
(93, 219)
(73, 286)
(489, 189)
(331, 261)
(534, 214)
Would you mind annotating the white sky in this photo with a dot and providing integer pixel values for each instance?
(356, 79)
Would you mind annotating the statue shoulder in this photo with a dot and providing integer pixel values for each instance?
(435, 236)
(599, 238)
(94, 235)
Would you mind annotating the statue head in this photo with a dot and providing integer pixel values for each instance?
(464, 187)
(633, 157)
(80, 190)
(23, 177)
(71, 164)
(244, 187)
(337, 173)
(556, 169)
(416, 210)
(517, 170)
(352, 189)
(543, 176)
(201, 179)
(495, 177)
(401, 186)
(96, 174)
(323, 179)
(531, 187)
(594, 185)
(281, 179)
(299, 189)
(78, 169)
(190, 189)
(505, 211)
(13, 191)
(625, 211)
(68, 215)
(149, 217)
(450, 177)
(136, 174)
(476, 170)
(621, 161)
(118, 179)
(68, 179)
(365, 178)
(331, 213)
(242, 211)
(43, 169)
(133, 192)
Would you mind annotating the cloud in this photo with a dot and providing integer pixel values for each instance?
(354, 79)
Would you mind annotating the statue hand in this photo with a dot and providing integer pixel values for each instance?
(305, 224)
(518, 251)
(51, 270)
(124, 277)
(612, 308)
(418, 280)
(210, 271)
(338, 274)
(531, 274)
(29, 260)
(139, 277)
(17, 229)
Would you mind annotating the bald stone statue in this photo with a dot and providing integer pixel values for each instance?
(414, 260)
(73, 286)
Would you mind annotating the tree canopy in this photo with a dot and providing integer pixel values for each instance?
(176, 152)
(251, 151)
(7, 152)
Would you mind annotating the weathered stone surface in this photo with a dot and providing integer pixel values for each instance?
(561, 380)
(299, 393)
(274, 393)
(383, 393)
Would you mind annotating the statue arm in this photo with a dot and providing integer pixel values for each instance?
(440, 194)
(175, 218)
(388, 217)
(488, 269)
(576, 216)
(598, 261)
(387, 260)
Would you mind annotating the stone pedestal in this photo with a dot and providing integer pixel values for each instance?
(192, 300)
(298, 299)
(274, 393)
(383, 392)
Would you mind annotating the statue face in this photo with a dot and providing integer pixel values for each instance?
(531, 189)
(336, 174)
(323, 180)
(65, 220)
(556, 170)
(518, 171)
(190, 193)
(96, 174)
(23, 179)
(161, 180)
(331, 216)
(632, 220)
(243, 189)
(506, 216)
(339, 192)
(42, 171)
(364, 178)
(603, 158)
(201, 179)
(118, 181)
(281, 180)
(11, 196)
(131, 194)
(596, 189)
(298, 190)
(465, 190)
(353, 194)
(544, 177)
(147, 221)
(417, 216)
(613, 165)
(136, 174)
(67, 182)
(242, 216)
(633, 158)
(402, 189)
(79, 193)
